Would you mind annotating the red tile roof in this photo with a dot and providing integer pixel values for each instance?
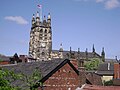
(95, 87)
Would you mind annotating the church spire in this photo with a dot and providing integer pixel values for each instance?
(33, 16)
(78, 53)
(70, 55)
(78, 50)
(61, 48)
(44, 20)
(103, 55)
(103, 51)
(86, 52)
(70, 50)
(33, 20)
(61, 51)
(37, 15)
(49, 16)
(37, 19)
(93, 49)
(49, 20)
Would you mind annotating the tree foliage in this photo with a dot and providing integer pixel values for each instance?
(6, 77)
(1, 60)
(108, 83)
(92, 64)
(32, 79)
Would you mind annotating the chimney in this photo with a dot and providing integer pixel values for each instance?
(108, 66)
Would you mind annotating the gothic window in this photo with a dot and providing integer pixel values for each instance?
(41, 31)
(45, 31)
(43, 53)
(45, 38)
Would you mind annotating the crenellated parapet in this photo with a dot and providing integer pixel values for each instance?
(37, 21)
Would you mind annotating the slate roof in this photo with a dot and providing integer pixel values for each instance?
(47, 68)
(82, 54)
(108, 60)
(94, 79)
(97, 87)
(103, 69)
(27, 68)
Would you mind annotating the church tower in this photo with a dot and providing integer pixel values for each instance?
(40, 45)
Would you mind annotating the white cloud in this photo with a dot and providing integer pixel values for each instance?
(98, 1)
(81, 0)
(110, 4)
(17, 19)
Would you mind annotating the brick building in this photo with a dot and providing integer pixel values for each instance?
(4, 60)
(116, 80)
(96, 87)
(56, 75)
(64, 77)
(106, 70)
(117, 71)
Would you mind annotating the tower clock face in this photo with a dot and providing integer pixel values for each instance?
(43, 44)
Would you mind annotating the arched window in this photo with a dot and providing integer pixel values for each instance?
(45, 38)
(43, 53)
(50, 38)
(45, 30)
(41, 31)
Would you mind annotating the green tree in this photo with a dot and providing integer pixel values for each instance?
(6, 77)
(92, 64)
(108, 83)
(32, 79)
(1, 60)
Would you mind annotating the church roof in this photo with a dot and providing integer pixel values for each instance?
(82, 54)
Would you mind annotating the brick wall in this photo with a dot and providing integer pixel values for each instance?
(116, 71)
(4, 62)
(75, 63)
(64, 79)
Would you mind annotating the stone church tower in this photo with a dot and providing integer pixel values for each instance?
(40, 45)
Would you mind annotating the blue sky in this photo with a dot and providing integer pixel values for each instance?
(75, 23)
